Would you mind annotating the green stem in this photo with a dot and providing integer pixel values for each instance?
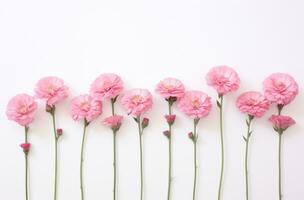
(56, 154)
(140, 131)
(170, 155)
(222, 148)
(246, 156)
(114, 153)
(81, 159)
(26, 165)
(194, 158)
(280, 172)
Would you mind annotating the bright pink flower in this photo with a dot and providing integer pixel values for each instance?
(106, 85)
(224, 79)
(281, 122)
(25, 146)
(280, 88)
(113, 122)
(252, 103)
(137, 101)
(170, 119)
(85, 107)
(195, 104)
(170, 87)
(21, 109)
(51, 89)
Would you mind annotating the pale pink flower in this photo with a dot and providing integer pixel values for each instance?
(170, 87)
(281, 122)
(113, 122)
(137, 101)
(195, 104)
(223, 79)
(85, 107)
(21, 109)
(51, 89)
(252, 103)
(280, 88)
(106, 85)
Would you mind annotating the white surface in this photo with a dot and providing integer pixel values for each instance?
(145, 41)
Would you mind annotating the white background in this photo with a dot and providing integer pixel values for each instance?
(143, 42)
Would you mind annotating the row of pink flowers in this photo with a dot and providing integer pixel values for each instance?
(279, 89)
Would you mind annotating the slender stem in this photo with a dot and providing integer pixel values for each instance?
(194, 158)
(81, 159)
(56, 154)
(140, 131)
(170, 155)
(280, 172)
(26, 165)
(246, 156)
(114, 153)
(222, 148)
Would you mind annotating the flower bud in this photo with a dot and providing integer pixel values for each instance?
(145, 122)
(190, 135)
(170, 119)
(48, 108)
(26, 147)
(167, 134)
(59, 132)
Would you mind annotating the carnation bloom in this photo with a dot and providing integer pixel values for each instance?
(170, 87)
(252, 103)
(281, 122)
(113, 122)
(85, 107)
(106, 85)
(195, 104)
(137, 101)
(51, 89)
(224, 79)
(280, 88)
(21, 109)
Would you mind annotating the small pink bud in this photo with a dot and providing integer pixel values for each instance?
(170, 119)
(26, 147)
(167, 133)
(190, 135)
(59, 132)
(145, 122)
(48, 108)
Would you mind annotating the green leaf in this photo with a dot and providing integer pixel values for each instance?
(218, 104)
(245, 138)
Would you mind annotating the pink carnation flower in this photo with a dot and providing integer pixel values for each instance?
(113, 122)
(281, 122)
(195, 104)
(21, 109)
(106, 85)
(224, 79)
(170, 87)
(85, 107)
(280, 88)
(252, 103)
(51, 89)
(137, 101)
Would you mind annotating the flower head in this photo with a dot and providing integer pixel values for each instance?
(170, 87)
(280, 88)
(281, 122)
(106, 85)
(223, 79)
(51, 89)
(252, 103)
(114, 122)
(85, 107)
(195, 104)
(137, 101)
(21, 109)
